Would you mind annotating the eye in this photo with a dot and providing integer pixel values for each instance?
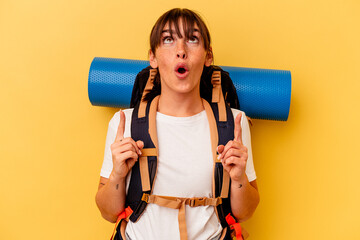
(168, 39)
(193, 39)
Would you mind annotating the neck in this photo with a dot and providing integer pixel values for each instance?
(180, 105)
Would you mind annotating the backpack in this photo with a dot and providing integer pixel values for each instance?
(219, 95)
(227, 86)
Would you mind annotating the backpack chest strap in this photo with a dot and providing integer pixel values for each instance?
(180, 203)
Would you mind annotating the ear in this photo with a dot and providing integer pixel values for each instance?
(152, 58)
(209, 57)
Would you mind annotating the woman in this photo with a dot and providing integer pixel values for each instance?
(180, 48)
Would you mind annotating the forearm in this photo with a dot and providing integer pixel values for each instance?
(110, 198)
(244, 198)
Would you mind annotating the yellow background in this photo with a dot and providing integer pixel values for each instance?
(52, 139)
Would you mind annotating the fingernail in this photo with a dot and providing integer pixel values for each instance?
(140, 152)
(218, 157)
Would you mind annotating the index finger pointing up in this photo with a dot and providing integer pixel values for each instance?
(237, 128)
(121, 128)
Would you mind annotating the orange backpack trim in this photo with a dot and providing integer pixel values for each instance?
(235, 226)
(124, 215)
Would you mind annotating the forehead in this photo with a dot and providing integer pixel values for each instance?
(180, 27)
(180, 24)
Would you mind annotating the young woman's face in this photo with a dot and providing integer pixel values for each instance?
(180, 61)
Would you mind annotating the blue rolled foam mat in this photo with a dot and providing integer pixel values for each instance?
(263, 93)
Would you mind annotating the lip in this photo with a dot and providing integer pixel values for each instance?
(181, 75)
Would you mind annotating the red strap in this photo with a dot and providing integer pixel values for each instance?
(123, 215)
(234, 226)
(230, 219)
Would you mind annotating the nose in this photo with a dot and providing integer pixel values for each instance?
(181, 50)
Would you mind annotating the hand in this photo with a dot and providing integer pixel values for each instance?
(125, 151)
(234, 154)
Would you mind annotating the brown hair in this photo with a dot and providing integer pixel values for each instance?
(188, 17)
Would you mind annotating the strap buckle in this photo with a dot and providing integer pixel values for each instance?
(145, 198)
(194, 202)
(218, 201)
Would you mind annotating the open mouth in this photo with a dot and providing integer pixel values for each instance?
(181, 70)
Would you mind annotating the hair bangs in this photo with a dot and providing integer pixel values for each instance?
(188, 20)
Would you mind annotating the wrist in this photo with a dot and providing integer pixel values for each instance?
(116, 178)
(240, 182)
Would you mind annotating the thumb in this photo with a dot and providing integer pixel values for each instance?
(140, 144)
(220, 149)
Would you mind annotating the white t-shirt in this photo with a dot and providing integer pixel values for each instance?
(185, 169)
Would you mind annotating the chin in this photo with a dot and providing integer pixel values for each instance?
(181, 86)
(187, 90)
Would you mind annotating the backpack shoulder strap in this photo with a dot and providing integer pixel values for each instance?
(221, 176)
(220, 119)
(144, 171)
(149, 85)
(217, 96)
